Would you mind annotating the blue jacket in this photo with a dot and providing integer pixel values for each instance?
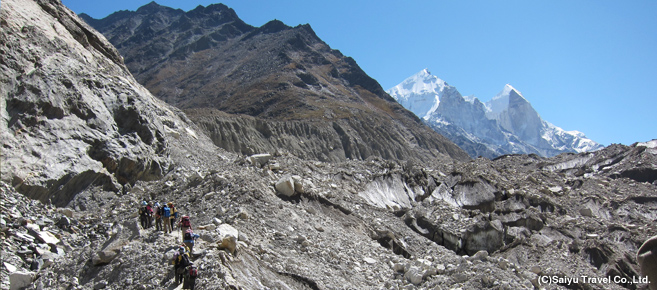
(194, 237)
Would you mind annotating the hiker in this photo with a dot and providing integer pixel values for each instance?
(159, 211)
(189, 239)
(166, 215)
(185, 224)
(174, 215)
(180, 262)
(149, 213)
(143, 214)
(191, 272)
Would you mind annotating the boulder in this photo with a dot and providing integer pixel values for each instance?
(20, 279)
(301, 185)
(10, 268)
(47, 237)
(228, 238)
(369, 260)
(647, 259)
(208, 227)
(285, 186)
(259, 160)
(587, 212)
(105, 256)
(414, 275)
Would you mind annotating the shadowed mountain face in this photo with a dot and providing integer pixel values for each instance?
(209, 60)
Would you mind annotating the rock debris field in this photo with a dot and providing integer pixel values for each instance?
(375, 224)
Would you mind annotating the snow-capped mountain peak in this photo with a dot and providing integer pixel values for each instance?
(500, 102)
(506, 124)
(419, 93)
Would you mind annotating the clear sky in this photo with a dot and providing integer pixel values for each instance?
(586, 65)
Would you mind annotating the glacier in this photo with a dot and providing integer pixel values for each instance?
(507, 124)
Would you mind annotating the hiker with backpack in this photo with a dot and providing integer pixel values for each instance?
(166, 215)
(189, 239)
(149, 215)
(191, 272)
(180, 263)
(173, 216)
(185, 224)
(143, 214)
(158, 216)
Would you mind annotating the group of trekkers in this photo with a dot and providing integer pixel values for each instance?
(165, 216)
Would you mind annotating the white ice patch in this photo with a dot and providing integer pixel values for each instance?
(649, 144)
(388, 192)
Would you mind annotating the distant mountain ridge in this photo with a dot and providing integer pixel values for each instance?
(507, 124)
(300, 95)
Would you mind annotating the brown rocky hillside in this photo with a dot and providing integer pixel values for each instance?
(305, 97)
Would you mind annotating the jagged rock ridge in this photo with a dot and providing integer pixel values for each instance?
(208, 58)
(507, 124)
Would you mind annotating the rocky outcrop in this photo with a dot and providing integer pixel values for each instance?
(72, 115)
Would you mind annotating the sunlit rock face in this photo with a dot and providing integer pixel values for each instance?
(72, 114)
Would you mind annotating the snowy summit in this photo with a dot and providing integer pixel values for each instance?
(419, 93)
(507, 124)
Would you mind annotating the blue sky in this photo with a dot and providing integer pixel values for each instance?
(584, 65)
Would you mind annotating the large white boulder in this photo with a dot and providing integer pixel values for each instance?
(285, 186)
(228, 238)
(259, 160)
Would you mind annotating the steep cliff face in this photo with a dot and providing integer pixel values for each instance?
(72, 115)
(274, 73)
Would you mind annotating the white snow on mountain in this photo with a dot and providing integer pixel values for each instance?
(419, 93)
(500, 102)
(507, 124)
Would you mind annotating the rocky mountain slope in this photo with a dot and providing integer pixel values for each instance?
(507, 124)
(207, 61)
(281, 222)
(72, 115)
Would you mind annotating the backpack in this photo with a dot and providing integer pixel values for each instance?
(188, 235)
(174, 212)
(185, 222)
(193, 272)
(143, 211)
(166, 211)
(183, 260)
